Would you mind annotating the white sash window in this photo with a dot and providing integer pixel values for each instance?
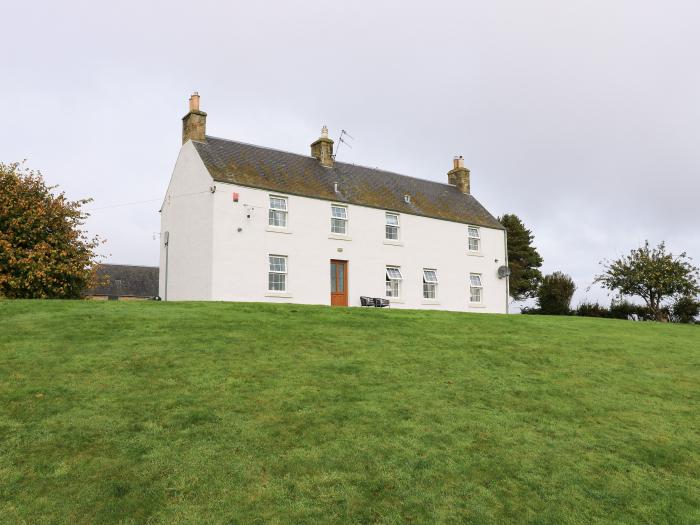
(277, 275)
(339, 219)
(278, 212)
(475, 288)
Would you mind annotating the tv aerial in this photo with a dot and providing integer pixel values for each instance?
(341, 140)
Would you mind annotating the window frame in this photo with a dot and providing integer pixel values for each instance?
(430, 284)
(271, 271)
(397, 226)
(273, 211)
(476, 238)
(393, 284)
(473, 287)
(344, 220)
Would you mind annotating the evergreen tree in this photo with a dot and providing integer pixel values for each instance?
(523, 259)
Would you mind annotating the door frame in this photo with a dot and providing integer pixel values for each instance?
(346, 281)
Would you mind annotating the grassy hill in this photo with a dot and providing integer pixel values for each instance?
(247, 413)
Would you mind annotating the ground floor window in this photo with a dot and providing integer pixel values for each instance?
(393, 282)
(430, 283)
(475, 288)
(277, 276)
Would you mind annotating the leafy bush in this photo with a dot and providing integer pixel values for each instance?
(586, 309)
(555, 293)
(623, 309)
(685, 310)
(530, 310)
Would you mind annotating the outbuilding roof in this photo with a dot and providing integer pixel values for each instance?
(290, 173)
(124, 280)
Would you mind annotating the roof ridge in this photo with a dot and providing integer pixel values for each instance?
(259, 146)
(337, 162)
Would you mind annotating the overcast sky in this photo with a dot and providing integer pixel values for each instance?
(582, 117)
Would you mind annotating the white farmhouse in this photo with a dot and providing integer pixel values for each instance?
(248, 223)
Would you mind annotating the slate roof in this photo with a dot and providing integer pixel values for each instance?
(293, 174)
(124, 280)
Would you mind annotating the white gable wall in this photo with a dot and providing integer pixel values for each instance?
(240, 258)
(187, 214)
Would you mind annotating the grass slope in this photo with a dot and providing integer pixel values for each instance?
(248, 413)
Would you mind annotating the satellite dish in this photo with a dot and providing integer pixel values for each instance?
(503, 271)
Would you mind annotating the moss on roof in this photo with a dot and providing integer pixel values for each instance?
(290, 173)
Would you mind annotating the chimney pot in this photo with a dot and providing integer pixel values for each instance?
(194, 102)
(458, 161)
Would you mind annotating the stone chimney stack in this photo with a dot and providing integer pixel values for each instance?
(459, 175)
(194, 124)
(322, 149)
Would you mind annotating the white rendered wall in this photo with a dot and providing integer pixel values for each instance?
(240, 258)
(187, 215)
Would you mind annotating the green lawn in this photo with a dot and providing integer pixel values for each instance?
(115, 412)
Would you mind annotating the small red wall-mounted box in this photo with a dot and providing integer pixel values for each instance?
(235, 196)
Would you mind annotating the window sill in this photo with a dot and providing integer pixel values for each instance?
(392, 242)
(429, 301)
(338, 237)
(477, 305)
(277, 230)
(475, 254)
(278, 294)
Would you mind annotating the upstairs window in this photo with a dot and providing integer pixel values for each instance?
(474, 238)
(392, 226)
(277, 275)
(475, 288)
(339, 219)
(278, 212)
(430, 283)
(393, 281)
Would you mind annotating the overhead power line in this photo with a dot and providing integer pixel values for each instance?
(133, 203)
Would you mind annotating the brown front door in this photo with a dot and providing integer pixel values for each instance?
(339, 283)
